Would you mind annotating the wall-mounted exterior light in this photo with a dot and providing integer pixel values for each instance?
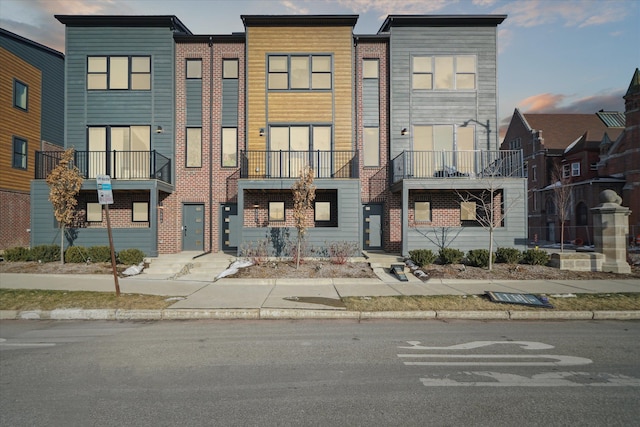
(404, 131)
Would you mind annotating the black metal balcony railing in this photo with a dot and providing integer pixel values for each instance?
(458, 164)
(288, 164)
(117, 164)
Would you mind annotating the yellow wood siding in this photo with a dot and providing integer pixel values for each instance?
(15, 122)
(300, 107)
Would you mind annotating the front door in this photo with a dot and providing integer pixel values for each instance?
(229, 227)
(372, 215)
(192, 227)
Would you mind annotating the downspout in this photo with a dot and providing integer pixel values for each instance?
(210, 144)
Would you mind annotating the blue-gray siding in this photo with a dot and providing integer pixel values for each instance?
(349, 214)
(51, 64)
(194, 102)
(432, 107)
(116, 107)
(230, 97)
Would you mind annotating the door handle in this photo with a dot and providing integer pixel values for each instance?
(184, 227)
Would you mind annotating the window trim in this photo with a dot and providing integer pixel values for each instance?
(288, 71)
(130, 73)
(284, 211)
(145, 217)
(16, 104)
(186, 70)
(23, 155)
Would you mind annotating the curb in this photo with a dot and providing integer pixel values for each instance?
(292, 314)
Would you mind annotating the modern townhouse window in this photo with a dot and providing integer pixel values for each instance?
(293, 147)
(119, 73)
(276, 211)
(193, 158)
(140, 212)
(370, 68)
(19, 153)
(94, 212)
(468, 211)
(229, 155)
(443, 150)
(326, 208)
(194, 68)
(444, 72)
(299, 72)
(229, 68)
(575, 169)
(20, 95)
(422, 211)
(126, 149)
(371, 146)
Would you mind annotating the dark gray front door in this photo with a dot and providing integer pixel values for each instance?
(372, 223)
(229, 227)
(193, 227)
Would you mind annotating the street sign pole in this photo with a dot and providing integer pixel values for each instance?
(105, 197)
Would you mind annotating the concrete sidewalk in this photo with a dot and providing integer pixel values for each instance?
(294, 298)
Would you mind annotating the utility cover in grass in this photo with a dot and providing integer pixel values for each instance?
(522, 299)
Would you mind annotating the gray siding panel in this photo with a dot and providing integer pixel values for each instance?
(52, 68)
(194, 103)
(230, 100)
(442, 107)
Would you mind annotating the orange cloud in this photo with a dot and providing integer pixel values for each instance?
(543, 102)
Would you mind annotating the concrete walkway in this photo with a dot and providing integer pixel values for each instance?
(271, 298)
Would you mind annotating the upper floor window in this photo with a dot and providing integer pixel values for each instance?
(299, 72)
(444, 72)
(20, 92)
(229, 68)
(370, 69)
(575, 169)
(119, 73)
(19, 153)
(194, 68)
(515, 144)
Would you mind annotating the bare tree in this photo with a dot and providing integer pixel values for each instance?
(488, 203)
(304, 193)
(64, 183)
(442, 236)
(562, 195)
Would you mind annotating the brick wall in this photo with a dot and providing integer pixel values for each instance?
(14, 211)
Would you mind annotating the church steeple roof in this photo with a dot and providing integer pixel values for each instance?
(634, 86)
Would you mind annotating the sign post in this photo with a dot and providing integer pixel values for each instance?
(105, 197)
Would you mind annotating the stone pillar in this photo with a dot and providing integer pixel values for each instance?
(611, 227)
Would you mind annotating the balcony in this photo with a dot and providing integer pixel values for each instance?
(458, 164)
(130, 165)
(288, 164)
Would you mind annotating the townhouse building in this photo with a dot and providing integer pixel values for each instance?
(31, 119)
(204, 135)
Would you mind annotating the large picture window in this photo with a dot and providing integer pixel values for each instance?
(299, 72)
(294, 147)
(444, 72)
(119, 151)
(119, 73)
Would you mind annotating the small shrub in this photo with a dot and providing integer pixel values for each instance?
(535, 257)
(450, 256)
(257, 251)
(130, 256)
(479, 257)
(422, 257)
(17, 254)
(76, 254)
(305, 250)
(100, 253)
(45, 253)
(339, 252)
(508, 255)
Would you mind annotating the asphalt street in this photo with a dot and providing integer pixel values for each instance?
(346, 373)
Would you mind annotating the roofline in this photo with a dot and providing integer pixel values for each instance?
(299, 20)
(210, 38)
(31, 42)
(371, 37)
(123, 21)
(440, 21)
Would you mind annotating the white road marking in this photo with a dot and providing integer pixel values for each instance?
(559, 360)
(4, 343)
(545, 379)
(526, 345)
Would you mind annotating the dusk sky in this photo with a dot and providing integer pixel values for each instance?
(555, 56)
